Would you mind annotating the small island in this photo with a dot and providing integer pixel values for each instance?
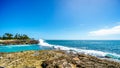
(10, 39)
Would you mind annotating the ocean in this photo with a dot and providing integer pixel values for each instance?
(98, 48)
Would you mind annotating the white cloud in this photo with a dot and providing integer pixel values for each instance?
(104, 32)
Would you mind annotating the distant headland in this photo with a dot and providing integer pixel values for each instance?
(8, 39)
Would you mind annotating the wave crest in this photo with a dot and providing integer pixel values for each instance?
(88, 52)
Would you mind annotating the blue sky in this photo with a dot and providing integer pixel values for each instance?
(61, 19)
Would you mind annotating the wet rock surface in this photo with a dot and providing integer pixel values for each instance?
(53, 59)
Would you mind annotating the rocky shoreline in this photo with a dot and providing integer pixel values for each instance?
(53, 59)
(18, 42)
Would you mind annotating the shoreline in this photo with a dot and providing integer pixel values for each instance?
(108, 56)
(18, 42)
(102, 58)
(53, 58)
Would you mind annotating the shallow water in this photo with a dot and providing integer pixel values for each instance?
(18, 48)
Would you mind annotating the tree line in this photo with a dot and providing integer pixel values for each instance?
(8, 36)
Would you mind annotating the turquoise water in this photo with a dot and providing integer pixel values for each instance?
(18, 48)
(98, 48)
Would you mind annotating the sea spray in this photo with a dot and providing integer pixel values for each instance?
(84, 51)
(42, 43)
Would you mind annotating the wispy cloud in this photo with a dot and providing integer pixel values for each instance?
(104, 32)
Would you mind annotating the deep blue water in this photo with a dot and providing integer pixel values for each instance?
(112, 46)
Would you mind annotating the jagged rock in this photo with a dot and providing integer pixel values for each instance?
(2, 67)
(44, 64)
(53, 59)
(14, 42)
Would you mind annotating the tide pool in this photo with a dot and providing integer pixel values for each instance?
(18, 48)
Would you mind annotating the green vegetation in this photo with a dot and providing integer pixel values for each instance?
(9, 36)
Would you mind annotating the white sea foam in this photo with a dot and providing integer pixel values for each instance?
(88, 52)
(42, 43)
(11, 46)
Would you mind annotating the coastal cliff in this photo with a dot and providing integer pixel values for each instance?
(53, 59)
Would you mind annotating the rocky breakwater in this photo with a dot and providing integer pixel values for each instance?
(53, 59)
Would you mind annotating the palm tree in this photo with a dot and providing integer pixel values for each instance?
(25, 37)
(17, 36)
(7, 36)
(21, 37)
(0, 37)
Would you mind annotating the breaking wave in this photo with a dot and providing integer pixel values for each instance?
(83, 51)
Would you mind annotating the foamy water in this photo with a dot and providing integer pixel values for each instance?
(88, 52)
(76, 46)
